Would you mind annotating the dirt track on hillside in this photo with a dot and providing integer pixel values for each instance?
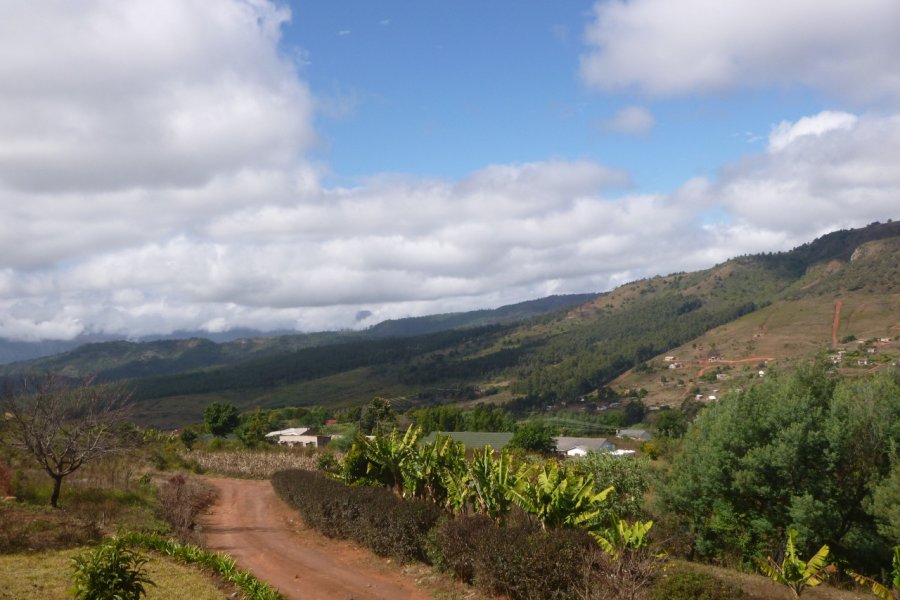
(264, 535)
(836, 322)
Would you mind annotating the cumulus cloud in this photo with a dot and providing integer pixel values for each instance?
(848, 49)
(632, 120)
(785, 133)
(102, 96)
(155, 180)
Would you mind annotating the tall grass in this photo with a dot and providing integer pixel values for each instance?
(251, 464)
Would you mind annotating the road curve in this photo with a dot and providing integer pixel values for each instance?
(264, 535)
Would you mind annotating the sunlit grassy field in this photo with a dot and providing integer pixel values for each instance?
(46, 575)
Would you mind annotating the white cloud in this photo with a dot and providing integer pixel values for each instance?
(102, 96)
(785, 133)
(632, 120)
(129, 206)
(848, 49)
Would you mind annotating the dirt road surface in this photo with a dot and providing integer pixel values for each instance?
(836, 322)
(264, 535)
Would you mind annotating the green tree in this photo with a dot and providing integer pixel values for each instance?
(378, 417)
(671, 423)
(798, 452)
(253, 429)
(221, 418)
(628, 476)
(533, 437)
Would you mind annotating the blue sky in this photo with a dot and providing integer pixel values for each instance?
(459, 85)
(210, 164)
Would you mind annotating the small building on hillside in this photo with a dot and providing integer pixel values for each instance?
(299, 436)
(580, 446)
(636, 434)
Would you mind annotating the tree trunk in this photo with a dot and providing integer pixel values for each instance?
(54, 497)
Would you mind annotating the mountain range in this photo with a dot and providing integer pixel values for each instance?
(667, 339)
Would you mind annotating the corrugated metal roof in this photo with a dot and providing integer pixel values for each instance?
(564, 444)
(475, 439)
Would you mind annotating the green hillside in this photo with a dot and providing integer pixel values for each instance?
(771, 306)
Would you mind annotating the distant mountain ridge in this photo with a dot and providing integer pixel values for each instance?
(180, 351)
(538, 353)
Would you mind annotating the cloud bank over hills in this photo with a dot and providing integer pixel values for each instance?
(156, 171)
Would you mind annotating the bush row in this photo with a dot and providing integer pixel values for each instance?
(373, 517)
(519, 560)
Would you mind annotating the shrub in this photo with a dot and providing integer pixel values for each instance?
(519, 561)
(6, 480)
(373, 517)
(111, 571)
(181, 500)
(682, 584)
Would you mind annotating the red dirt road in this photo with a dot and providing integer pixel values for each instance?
(264, 535)
(835, 322)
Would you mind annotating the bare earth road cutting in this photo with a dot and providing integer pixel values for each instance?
(264, 535)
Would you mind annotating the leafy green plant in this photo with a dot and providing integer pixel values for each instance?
(622, 536)
(111, 571)
(389, 456)
(557, 497)
(794, 572)
(889, 590)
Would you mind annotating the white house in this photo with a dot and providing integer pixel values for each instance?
(580, 446)
(299, 436)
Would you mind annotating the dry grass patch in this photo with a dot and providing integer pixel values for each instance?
(46, 575)
(251, 464)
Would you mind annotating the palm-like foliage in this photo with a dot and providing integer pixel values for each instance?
(622, 537)
(796, 573)
(558, 498)
(389, 457)
(426, 468)
(889, 590)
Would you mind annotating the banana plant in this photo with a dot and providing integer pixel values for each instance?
(490, 481)
(622, 536)
(426, 467)
(392, 456)
(796, 573)
(889, 590)
(558, 498)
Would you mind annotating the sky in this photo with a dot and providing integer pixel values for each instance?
(174, 165)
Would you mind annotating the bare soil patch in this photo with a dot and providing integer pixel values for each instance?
(264, 535)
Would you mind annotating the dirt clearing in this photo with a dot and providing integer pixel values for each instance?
(266, 536)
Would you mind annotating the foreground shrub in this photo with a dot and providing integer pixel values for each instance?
(6, 480)
(111, 571)
(519, 561)
(682, 584)
(373, 517)
(181, 500)
(25, 528)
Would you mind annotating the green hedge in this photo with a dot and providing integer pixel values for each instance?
(374, 517)
(519, 561)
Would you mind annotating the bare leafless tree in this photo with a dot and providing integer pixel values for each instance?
(63, 426)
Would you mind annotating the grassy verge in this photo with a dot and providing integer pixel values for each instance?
(46, 575)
